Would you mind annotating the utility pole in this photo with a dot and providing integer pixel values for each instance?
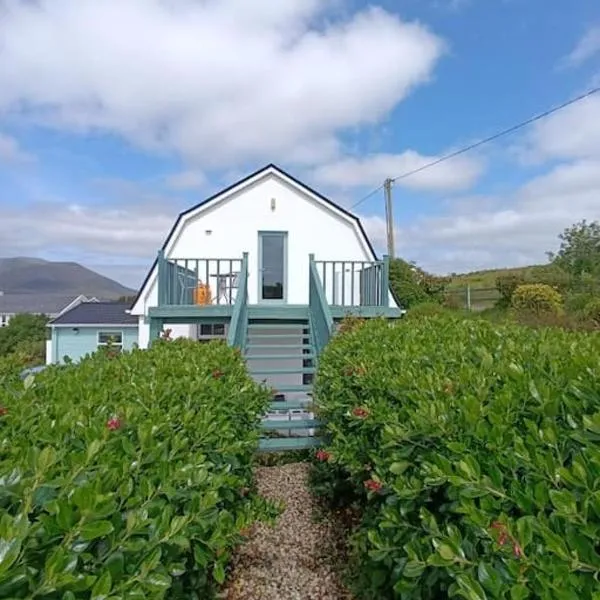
(389, 219)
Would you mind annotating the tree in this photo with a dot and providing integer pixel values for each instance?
(412, 285)
(579, 252)
(24, 333)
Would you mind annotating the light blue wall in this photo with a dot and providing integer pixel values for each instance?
(76, 344)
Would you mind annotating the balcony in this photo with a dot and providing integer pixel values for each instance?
(213, 287)
(198, 281)
(354, 283)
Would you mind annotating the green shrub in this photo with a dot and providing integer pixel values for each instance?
(506, 286)
(591, 311)
(413, 286)
(537, 299)
(427, 309)
(575, 303)
(472, 450)
(128, 475)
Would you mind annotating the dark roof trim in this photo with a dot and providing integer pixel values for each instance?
(241, 182)
(99, 314)
(93, 325)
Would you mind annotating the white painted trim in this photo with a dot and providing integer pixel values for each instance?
(107, 330)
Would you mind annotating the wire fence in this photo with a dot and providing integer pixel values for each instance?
(472, 298)
(475, 298)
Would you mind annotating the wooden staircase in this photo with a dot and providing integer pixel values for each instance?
(280, 352)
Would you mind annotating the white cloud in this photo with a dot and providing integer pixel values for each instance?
(573, 132)
(455, 174)
(219, 81)
(587, 47)
(111, 232)
(11, 152)
(511, 230)
(186, 180)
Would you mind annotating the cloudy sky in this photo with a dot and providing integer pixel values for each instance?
(115, 116)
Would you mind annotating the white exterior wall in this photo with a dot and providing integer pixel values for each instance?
(177, 330)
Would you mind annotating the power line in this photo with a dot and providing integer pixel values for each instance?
(484, 141)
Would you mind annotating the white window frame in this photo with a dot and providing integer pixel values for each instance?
(110, 332)
(210, 336)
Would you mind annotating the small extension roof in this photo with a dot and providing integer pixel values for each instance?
(97, 313)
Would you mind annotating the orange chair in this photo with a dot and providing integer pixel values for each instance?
(202, 294)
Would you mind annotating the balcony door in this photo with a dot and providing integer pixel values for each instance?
(272, 266)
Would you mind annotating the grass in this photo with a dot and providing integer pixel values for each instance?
(486, 279)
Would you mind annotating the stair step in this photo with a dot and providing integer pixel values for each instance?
(277, 334)
(294, 326)
(293, 388)
(288, 371)
(290, 424)
(291, 404)
(250, 346)
(279, 356)
(288, 443)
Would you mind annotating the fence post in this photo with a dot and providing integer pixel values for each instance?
(469, 297)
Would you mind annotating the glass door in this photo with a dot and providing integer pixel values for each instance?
(272, 256)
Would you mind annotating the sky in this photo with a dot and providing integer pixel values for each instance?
(116, 116)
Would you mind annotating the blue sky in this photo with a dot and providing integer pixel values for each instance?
(115, 116)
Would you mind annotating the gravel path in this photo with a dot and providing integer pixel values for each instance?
(295, 560)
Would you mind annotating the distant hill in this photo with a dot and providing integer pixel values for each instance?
(487, 278)
(23, 275)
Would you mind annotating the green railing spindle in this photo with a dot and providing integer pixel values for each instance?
(363, 283)
(238, 326)
(319, 312)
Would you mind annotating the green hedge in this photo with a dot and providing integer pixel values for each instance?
(471, 451)
(128, 476)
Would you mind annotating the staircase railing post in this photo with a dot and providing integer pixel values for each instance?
(385, 281)
(162, 276)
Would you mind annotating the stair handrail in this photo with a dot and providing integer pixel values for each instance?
(320, 313)
(239, 317)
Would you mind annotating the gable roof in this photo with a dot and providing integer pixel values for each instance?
(43, 304)
(97, 313)
(214, 197)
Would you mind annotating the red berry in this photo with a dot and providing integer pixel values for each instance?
(360, 412)
(373, 485)
(113, 424)
(322, 455)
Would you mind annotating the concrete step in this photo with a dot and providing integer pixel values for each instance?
(270, 424)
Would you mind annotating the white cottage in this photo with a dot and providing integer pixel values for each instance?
(271, 265)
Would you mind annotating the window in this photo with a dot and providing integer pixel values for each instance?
(114, 338)
(211, 331)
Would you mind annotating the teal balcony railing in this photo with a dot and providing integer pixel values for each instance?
(238, 326)
(320, 314)
(355, 283)
(191, 281)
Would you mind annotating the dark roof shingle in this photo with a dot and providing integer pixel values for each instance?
(97, 313)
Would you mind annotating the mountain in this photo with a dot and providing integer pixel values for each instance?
(24, 275)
